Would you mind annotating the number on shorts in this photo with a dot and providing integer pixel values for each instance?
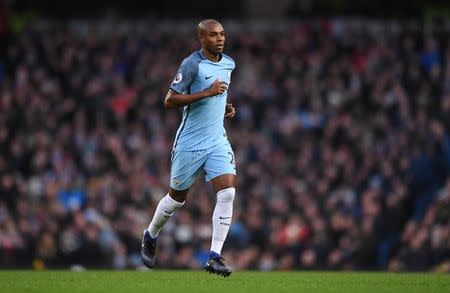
(232, 158)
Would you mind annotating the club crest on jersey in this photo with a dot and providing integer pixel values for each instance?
(178, 78)
(176, 182)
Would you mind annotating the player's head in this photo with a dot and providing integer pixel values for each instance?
(211, 35)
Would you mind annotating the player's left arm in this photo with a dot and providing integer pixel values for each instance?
(230, 111)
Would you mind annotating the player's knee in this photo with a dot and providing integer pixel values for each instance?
(226, 195)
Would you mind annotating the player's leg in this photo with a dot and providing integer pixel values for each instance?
(164, 211)
(221, 171)
(223, 211)
(185, 167)
(167, 206)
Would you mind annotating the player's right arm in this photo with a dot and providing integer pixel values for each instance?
(174, 99)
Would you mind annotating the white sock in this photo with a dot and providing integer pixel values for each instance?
(221, 219)
(165, 210)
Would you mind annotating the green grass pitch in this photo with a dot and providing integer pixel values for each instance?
(199, 281)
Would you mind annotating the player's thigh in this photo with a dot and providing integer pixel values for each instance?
(178, 195)
(220, 161)
(185, 167)
(223, 181)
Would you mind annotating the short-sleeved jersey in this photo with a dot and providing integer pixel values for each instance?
(202, 122)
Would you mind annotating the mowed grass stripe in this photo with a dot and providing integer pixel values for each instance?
(199, 281)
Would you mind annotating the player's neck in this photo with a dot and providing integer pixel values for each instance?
(210, 56)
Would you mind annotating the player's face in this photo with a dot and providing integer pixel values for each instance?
(214, 38)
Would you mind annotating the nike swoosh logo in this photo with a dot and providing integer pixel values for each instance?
(223, 218)
(208, 77)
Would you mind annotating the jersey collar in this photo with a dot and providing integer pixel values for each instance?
(200, 52)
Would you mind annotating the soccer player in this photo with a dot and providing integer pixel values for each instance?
(200, 89)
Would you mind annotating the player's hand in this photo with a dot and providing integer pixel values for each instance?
(217, 87)
(230, 111)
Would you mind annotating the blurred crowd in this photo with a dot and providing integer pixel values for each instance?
(342, 144)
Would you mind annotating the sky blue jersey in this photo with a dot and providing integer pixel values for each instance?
(202, 122)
